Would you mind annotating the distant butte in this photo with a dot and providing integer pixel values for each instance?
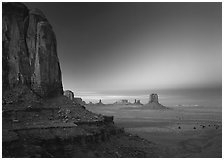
(100, 103)
(154, 103)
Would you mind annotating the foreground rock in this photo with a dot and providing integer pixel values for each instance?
(29, 51)
(69, 94)
(58, 127)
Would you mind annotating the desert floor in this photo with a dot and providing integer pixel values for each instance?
(193, 131)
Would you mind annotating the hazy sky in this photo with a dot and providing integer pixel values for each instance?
(113, 48)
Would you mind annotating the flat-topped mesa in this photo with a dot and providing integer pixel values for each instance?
(29, 51)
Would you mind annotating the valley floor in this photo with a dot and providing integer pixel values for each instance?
(193, 132)
(190, 140)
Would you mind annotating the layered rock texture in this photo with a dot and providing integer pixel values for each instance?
(79, 100)
(76, 100)
(29, 51)
(154, 103)
(69, 94)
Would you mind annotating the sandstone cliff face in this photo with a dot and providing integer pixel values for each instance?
(29, 51)
(69, 94)
(15, 58)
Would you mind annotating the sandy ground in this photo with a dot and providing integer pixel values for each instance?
(184, 142)
(178, 132)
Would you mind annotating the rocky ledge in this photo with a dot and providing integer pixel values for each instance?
(58, 127)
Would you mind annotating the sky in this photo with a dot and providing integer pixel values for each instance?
(111, 51)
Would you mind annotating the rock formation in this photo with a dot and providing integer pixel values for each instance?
(76, 100)
(154, 98)
(154, 103)
(69, 94)
(137, 102)
(100, 103)
(122, 102)
(90, 103)
(15, 60)
(29, 51)
(79, 101)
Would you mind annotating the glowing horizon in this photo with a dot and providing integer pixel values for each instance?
(137, 46)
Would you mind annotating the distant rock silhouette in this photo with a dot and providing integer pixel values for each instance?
(137, 102)
(90, 103)
(123, 102)
(100, 103)
(154, 103)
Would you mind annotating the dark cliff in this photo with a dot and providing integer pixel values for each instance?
(29, 51)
